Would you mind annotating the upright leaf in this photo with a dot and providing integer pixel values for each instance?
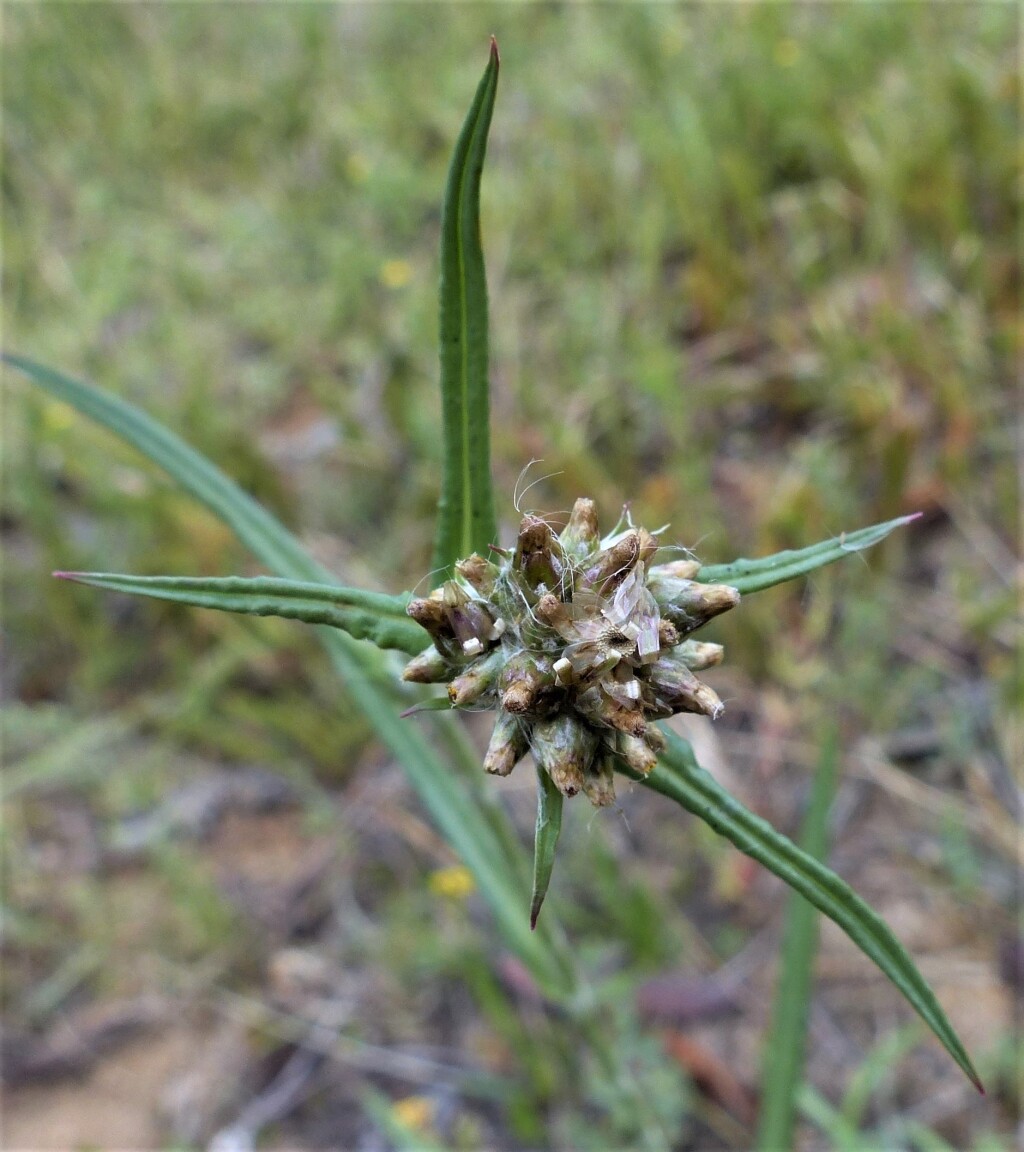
(752, 575)
(549, 825)
(466, 521)
(679, 777)
(372, 616)
(783, 1059)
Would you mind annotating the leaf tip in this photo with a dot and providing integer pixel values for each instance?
(66, 575)
(534, 913)
(494, 50)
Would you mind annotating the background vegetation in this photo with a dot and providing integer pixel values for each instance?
(753, 268)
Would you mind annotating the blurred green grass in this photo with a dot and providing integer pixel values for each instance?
(753, 268)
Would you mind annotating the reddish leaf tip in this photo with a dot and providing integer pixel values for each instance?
(494, 50)
(65, 575)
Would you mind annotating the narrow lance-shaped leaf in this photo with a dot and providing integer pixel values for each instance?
(475, 830)
(783, 1058)
(549, 825)
(679, 777)
(266, 537)
(753, 575)
(466, 521)
(365, 615)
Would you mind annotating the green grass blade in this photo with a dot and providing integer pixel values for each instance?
(466, 521)
(476, 830)
(679, 777)
(549, 825)
(877, 1068)
(371, 616)
(784, 1054)
(753, 575)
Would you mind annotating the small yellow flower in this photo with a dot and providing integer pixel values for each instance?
(395, 273)
(415, 1112)
(455, 882)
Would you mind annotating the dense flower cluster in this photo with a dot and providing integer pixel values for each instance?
(578, 643)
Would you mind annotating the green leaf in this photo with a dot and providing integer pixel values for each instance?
(466, 522)
(549, 824)
(784, 1053)
(260, 532)
(451, 789)
(371, 616)
(679, 777)
(752, 575)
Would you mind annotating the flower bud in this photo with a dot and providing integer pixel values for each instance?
(697, 655)
(688, 604)
(478, 572)
(606, 712)
(564, 747)
(675, 570)
(668, 634)
(522, 680)
(580, 537)
(551, 611)
(638, 754)
(508, 745)
(538, 556)
(611, 566)
(429, 667)
(478, 678)
(599, 781)
(648, 546)
(675, 687)
(430, 614)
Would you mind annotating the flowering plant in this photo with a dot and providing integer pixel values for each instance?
(581, 644)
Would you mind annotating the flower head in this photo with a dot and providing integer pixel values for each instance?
(578, 643)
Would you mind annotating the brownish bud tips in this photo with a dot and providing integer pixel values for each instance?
(599, 781)
(648, 546)
(638, 754)
(429, 667)
(552, 611)
(478, 572)
(613, 565)
(564, 747)
(478, 678)
(507, 747)
(538, 555)
(698, 655)
(430, 614)
(688, 604)
(521, 682)
(676, 688)
(580, 536)
(675, 570)
(628, 720)
(668, 634)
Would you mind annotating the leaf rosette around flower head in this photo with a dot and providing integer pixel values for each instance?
(578, 643)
